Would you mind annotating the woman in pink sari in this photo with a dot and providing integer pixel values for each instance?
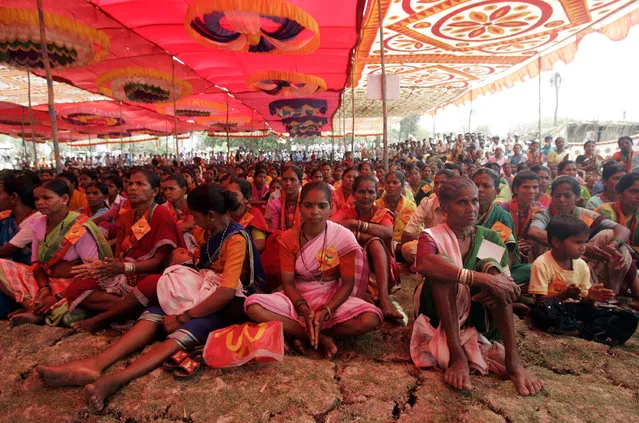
(322, 267)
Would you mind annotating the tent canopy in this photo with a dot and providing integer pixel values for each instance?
(166, 66)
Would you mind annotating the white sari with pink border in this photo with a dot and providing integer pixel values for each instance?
(316, 292)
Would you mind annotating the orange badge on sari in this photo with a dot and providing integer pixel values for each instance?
(5, 214)
(405, 215)
(74, 233)
(503, 230)
(327, 258)
(246, 219)
(378, 216)
(140, 228)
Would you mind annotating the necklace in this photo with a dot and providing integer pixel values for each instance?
(303, 235)
(208, 252)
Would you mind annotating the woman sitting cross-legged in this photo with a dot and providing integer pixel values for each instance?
(320, 263)
(61, 239)
(229, 253)
(373, 228)
(122, 287)
(458, 301)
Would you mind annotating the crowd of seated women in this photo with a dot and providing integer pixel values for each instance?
(316, 247)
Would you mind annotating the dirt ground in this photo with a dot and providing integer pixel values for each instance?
(371, 380)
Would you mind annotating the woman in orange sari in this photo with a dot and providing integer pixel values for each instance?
(321, 262)
(401, 207)
(373, 228)
(123, 286)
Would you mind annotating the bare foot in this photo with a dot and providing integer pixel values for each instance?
(77, 373)
(18, 311)
(329, 347)
(525, 383)
(97, 392)
(389, 311)
(458, 374)
(92, 324)
(294, 346)
(25, 318)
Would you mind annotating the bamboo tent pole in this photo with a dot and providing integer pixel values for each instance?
(35, 151)
(47, 70)
(175, 128)
(24, 143)
(381, 51)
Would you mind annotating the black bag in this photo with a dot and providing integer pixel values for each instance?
(610, 326)
(552, 313)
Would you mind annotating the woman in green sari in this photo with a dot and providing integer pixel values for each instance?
(61, 239)
(461, 292)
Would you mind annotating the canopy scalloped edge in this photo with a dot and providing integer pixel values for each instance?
(293, 78)
(615, 31)
(24, 25)
(276, 8)
(114, 83)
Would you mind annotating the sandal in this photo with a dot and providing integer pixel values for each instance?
(174, 362)
(191, 366)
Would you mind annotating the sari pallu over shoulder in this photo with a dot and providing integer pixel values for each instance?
(19, 278)
(429, 346)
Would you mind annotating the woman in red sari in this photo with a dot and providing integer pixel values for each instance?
(249, 217)
(343, 196)
(123, 286)
(175, 188)
(281, 214)
(373, 228)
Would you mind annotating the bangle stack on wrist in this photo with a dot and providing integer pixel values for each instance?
(465, 277)
(43, 287)
(129, 267)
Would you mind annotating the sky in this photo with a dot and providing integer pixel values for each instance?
(601, 83)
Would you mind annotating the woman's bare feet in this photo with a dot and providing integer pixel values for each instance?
(92, 324)
(457, 374)
(76, 373)
(525, 383)
(328, 346)
(97, 392)
(26, 318)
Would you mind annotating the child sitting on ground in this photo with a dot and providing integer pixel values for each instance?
(560, 281)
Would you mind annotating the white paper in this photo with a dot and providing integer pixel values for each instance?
(489, 249)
